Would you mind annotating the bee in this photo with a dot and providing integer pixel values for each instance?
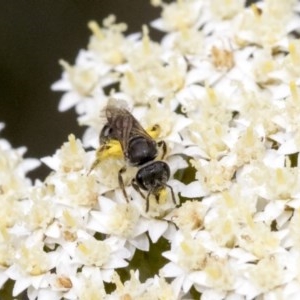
(124, 135)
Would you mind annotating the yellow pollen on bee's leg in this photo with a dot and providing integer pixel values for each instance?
(162, 196)
(111, 149)
(154, 131)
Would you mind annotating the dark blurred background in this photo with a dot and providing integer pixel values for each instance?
(34, 35)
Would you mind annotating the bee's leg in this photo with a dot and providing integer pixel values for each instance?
(100, 154)
(137, 188)
(147, 201)
(172, 193)
(121, 182)
(157, 198)
(94, 165)
(163, 145)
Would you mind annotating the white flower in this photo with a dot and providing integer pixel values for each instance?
(267, 23)
(178, 15)
(221, 90)
(30, 265)
(124, 221)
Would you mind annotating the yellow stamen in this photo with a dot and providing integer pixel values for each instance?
(280, 176)
(130, 79)
(295, 57)
(146, 40)
(268, 66)
(66, 66)
(83, 248)
(72, 142)
(186, 248)
(256, 11)
(213, 272)
(249, 137)
(211, 94)
(294, 91)
(96, 30)
(228, 199)
(69, 219)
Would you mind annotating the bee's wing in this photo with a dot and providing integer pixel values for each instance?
(120, 122)
(124, 126)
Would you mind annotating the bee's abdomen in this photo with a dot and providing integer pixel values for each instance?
(141, 150)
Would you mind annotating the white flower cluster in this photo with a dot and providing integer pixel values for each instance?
(223, 85)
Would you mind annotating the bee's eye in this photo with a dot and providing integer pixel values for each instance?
(106, 133)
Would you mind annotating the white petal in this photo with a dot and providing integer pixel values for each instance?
(273, 159)
(62, 84)
(98, 222)
(157, 229)
(192, 190)
(171, 270)
(53, 231)
(187, 284)
(288, 147)
(116, 262)
(29, 164)
(68, 100)
(142, 225)
(213, 295)
(51, 162)
(141, 242)
(107, 275)
(198, 277)
(271, 211)
(245, 287)
(241, 255)
(21, 285)
(159, 24)
(36, 281)
(48, 294)
(3, 278)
